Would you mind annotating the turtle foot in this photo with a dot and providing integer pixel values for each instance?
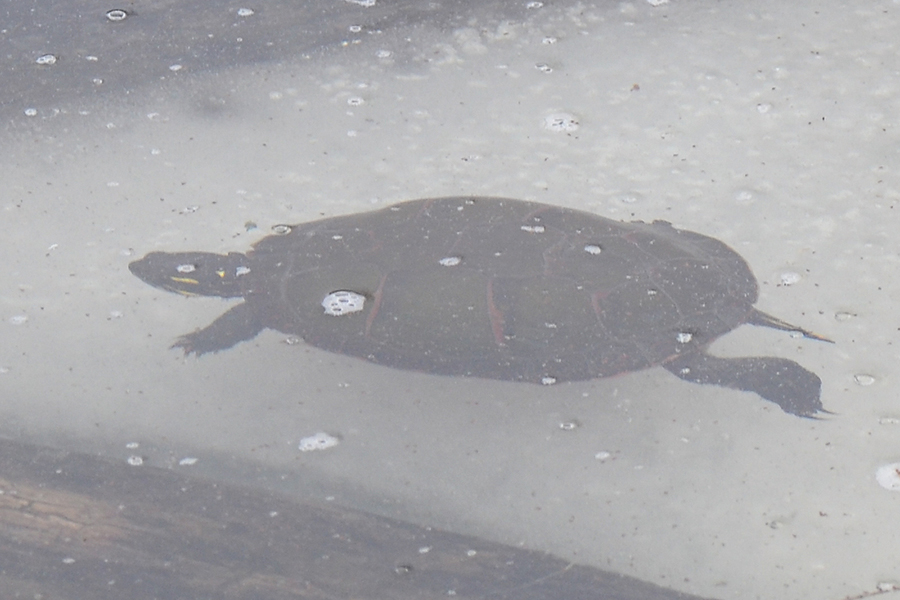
(779, 380)
(195, 344)
(239, 324)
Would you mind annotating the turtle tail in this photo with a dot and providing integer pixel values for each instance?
(757, 317)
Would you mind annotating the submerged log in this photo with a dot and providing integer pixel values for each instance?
(80, 527)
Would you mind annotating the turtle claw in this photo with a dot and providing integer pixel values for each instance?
(185, 344)
(822, 410)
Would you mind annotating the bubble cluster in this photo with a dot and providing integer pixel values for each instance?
(343, 302)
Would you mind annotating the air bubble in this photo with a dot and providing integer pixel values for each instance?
(843, 316)
(548, 380)
(744, 196)
(18, 319)
(244, 12)
(543, 68)
(683, 337)
(46, 59)
(593, 249)
(281, 229)
(888, 477)
(135, 461)
(343, 302)
(355, 101)
(184, 269)
(561, 122)
(533, 228)
(318, 441)
(569, 425)
(117, 14)
(628, 197)
(789, 278)
(187, 461)
(450, 261)
(864, 379)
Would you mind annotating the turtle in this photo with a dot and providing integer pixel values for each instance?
(494, 288)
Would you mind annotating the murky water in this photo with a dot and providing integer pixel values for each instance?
(771, 126)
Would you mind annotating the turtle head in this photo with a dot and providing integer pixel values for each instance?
(195, 273)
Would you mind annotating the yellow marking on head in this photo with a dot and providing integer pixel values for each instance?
(185, 280)
(221, 273)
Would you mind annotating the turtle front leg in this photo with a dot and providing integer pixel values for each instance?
(241, 323)
(778, 380)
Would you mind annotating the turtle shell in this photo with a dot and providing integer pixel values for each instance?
(486, 287)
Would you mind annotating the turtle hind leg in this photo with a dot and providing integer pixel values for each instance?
(778, 380)
(241, 323)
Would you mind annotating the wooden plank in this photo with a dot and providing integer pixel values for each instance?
(75, 526)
